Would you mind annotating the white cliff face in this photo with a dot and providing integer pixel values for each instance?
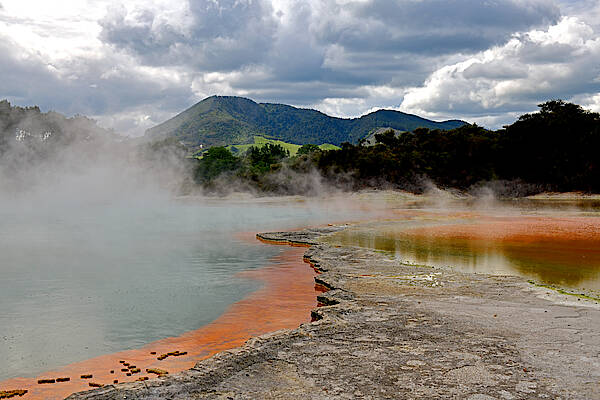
(21, 135)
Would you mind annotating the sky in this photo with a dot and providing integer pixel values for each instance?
(134, 64)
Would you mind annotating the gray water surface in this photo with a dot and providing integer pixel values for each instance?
(81, 280)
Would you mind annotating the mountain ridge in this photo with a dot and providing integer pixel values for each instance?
(223, 120)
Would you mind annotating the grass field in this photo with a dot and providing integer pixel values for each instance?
(260, 141)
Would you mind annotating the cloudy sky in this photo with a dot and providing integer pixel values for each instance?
(133, 64)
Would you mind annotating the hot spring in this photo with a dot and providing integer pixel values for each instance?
(87, 278)
(82, 280)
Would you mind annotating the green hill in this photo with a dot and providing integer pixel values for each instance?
(225, 120)
(260, 141)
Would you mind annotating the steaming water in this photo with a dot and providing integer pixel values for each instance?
(81, 280)
(90, 277)
(556, 244)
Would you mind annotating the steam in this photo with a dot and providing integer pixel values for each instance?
(38, 169)
(48, 159)
(308, 183)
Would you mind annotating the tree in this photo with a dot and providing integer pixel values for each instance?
(387, 138)
(262, 158)
(557, 146)
(216, 161)
(308, 149)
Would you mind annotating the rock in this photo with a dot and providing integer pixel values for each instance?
(415, 363)
(157, 371)
(480, 396)
(7, 394)
(526, 387)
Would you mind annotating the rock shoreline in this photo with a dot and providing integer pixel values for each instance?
(392, 330)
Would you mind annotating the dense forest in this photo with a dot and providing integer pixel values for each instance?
(555, 148)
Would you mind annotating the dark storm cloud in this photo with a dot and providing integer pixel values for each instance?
(156, 59)
(223, 35)
(228, 35)
(434, 26)
(92, 87)
(316, 50)
(381, 41)
(25, 77)
(144, 38)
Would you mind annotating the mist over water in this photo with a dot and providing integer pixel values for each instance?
(81, 279)
(99, 254)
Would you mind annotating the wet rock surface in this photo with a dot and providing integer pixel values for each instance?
(391, 330)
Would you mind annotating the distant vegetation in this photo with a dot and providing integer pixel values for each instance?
(553, 149)
(29, 137)
(260, 141)
(35, 146)
(29, 127)
(225, 120)
(556, 148)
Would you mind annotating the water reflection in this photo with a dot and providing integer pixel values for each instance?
(554, 249)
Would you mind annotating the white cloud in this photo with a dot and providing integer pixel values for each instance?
(559, 62)
(342, 107)
(586, 10)
(593, 103)
(589, 102)
(132, 63)
(136, 120)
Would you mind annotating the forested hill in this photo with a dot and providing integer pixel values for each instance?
(222, 120)
(28, 126)
(555, 149)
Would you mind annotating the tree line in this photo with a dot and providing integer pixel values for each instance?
(556, 148)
